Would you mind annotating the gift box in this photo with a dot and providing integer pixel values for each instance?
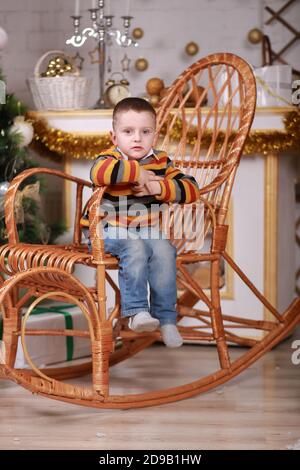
(273, 82)
(46, 350)
(274, 85)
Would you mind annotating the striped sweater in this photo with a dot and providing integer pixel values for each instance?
(120, 203)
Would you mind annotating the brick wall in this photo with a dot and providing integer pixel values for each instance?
(35, 26)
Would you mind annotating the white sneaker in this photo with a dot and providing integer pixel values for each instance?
(143, 321)
(171, 336)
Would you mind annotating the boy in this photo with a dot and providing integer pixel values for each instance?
(135, 173)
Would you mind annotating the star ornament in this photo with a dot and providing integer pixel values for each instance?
(78, 60)
(95, 56)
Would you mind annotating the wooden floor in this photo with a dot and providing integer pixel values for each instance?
(260, 409)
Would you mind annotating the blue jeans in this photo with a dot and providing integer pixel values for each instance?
(142, 261)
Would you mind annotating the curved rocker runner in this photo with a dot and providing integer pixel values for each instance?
(35, 273)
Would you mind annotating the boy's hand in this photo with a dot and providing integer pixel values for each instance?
(144, 177)
(151, 188)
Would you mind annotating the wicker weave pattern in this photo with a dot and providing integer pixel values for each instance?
(213, 166)
(43, 272)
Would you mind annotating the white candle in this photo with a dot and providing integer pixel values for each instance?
(77, 8)
(108, 7)
(127, 7)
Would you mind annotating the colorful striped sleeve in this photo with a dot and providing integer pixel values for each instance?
(109, 170)
(178, 187)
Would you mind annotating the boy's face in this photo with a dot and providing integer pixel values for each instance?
(134, 133)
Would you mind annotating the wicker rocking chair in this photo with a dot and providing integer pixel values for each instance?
(206, 143)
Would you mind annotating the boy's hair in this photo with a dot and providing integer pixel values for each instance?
(134, 104)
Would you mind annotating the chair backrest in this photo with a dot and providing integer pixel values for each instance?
(203, 123)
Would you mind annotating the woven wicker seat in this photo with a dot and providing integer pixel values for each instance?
(206, 143)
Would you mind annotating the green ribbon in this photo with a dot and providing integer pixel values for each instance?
(68, 323)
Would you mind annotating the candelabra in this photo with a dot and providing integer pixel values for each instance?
(102, 30)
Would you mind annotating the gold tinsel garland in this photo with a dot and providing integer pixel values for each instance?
(76, 146)
(66, 143)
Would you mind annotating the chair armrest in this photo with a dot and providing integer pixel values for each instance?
(96, 215)
(220, 178)
(95, 226)
(10, 198)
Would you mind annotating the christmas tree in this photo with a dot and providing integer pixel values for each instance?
(15, 136)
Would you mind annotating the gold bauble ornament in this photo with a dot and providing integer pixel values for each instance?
(163, 92)
(60, 61)
(192, 48)
(154, 100)
(137, 33)
(154, 86)
(58, 67)
(255, 36)
(195, 95)
(141, 64)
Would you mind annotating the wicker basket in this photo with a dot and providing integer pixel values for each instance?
(68, 92)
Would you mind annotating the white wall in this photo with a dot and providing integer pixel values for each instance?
(35, 26)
